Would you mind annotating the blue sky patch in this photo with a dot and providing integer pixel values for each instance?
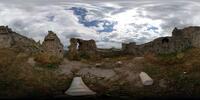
(152, 28)
(81, 14)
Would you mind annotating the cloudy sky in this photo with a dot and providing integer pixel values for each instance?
(108, 22)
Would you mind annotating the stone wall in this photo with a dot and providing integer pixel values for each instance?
(192, 33)
(52, 45)
(73, 51)
(180, 40)
(10, 39)
(6, 39)
(82, 48)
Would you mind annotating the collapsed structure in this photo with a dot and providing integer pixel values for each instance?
(82, 48)
(181, 39)
(52, 45)
(10, 39)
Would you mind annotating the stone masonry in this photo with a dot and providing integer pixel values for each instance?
(6, 39)
(52, 45)
(181, 39)
(10, 39)
(82, 48)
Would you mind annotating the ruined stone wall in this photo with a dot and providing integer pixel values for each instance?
(10, 39)
(82, 48)
(25, 44)
(192, 33)
(6, 41)
(73, 51)
(5, 38)
(180, 40)
(87, 48)
(52, 45)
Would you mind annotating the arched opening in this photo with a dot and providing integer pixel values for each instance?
(77, 46)
(165, 40)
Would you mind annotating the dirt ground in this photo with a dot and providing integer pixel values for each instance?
(173, 75)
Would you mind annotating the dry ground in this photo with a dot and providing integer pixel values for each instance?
(174, 75)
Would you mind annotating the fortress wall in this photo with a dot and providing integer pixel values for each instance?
(163, 45)
(180, 40)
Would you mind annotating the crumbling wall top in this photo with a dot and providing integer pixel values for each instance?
(51, 36)
(5, 30)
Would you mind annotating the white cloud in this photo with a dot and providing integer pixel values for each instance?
(138, 20)
(36, 23)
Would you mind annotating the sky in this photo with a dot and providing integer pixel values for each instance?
(108, 22)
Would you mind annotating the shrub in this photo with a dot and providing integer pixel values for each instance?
(7, 56)
(84, 56)
(48, 59)
(170, 59)
(150, 57)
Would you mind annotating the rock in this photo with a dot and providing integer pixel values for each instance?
(162, 83)
(52, 45)
(138, 58)
(31, 61)
(38, 68)
(98, 72)
(146, 79)
(119, 63)
(107, 59)
(98, 64)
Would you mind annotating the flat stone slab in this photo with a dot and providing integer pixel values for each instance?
(146, 79)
